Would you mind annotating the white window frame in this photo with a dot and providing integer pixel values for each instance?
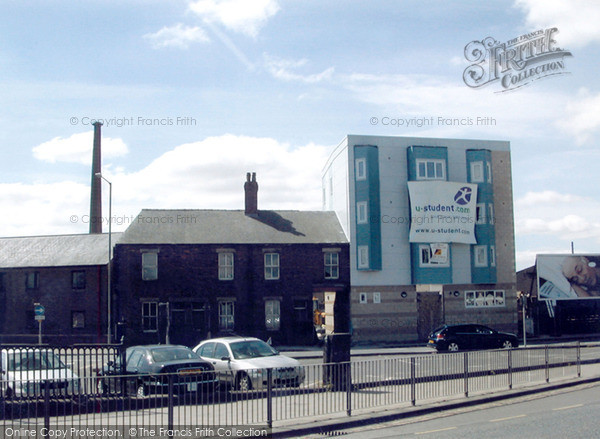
(438, 164)
(376, 297)
(272, 266)
(332, 265)
(480, 255)
(492, 255)
(362, 254)
(360, 169)
(273, 314)
(226, 266)
(490, 213)
(363, 297)
(226, 315)
(485, 299)
(477, 169)
(425, 249)
(488, 167)
(149, 316)
(149, 267)
(362, 213)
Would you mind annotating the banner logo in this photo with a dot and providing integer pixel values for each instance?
(463, 196)
(515, 63)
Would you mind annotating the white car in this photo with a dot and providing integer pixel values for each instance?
(24, 372)
(243, 363)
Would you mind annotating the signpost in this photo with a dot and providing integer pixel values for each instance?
(40, 315)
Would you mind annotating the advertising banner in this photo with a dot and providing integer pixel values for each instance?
(442, 211)
(568, 276)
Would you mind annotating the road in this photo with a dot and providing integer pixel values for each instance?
(571, 413)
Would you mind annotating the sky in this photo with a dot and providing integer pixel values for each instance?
(195, 93)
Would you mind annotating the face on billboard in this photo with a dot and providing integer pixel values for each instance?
(568, 276)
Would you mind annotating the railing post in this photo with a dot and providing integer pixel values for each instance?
(46, 385)
(348, 374)
(547, 359)
(170, 404)
(270, 398)
(466, 373)
(510, 377)
(413, 385)
(578, 359)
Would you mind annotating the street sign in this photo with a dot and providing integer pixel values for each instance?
(39, 312)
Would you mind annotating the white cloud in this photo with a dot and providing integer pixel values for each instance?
(284, 69)
(179, 36)
(77, 149)
(244, 16)
(576, 20)
(208, 174)
(582, 116)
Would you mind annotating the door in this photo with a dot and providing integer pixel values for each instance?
(429, 310)
(187, 324)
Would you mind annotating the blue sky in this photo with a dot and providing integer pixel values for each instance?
(194, 94)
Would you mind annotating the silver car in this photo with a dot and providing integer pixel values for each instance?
(24, 372)
(243, 362)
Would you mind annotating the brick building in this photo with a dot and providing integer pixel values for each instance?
(185, 275)
(67, 274)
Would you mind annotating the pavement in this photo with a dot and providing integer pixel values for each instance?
(335, 424)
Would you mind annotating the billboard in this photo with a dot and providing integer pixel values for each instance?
(442, 211)
(568, 276)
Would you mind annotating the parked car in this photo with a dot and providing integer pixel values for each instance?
(25, 370)
(147, 369)
(456, 337)
(242, 363)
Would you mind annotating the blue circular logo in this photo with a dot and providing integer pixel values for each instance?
(463, 196)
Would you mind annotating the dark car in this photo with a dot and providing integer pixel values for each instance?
(458, 337)
(148, 369)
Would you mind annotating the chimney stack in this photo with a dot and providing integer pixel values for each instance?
(96, 195)
(251, 191)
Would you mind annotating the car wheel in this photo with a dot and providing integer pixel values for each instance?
(453, 347)
(507, 344)
(243, 382)
(142, 390)
(8, 393)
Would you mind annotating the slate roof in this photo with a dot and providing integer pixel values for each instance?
(234, 227)
(55, 250)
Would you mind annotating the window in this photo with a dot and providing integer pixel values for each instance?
(271, 266)
(363, 256)
(490, 216)
(488, 168)
(361, 169)
(225, 266)
(480, 213)
(78, 280)
(149, 265)
(362, 214)
(484, 299)
(226, 315)
(149, 316)
(492, 255)
(477, 172)
(332, 265)
(480, 255)
(433, 255)
(431, 169)
(363, 297)
(78, 319)
(376, 297)
(272, 315)
(32, 280)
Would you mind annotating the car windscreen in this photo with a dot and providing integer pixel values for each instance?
(170, 354)
(33, 360)
(251, 349)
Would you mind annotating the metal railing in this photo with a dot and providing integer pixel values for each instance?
(116, 402)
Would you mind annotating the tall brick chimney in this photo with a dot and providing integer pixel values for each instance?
(96, 195)
(251, 190)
